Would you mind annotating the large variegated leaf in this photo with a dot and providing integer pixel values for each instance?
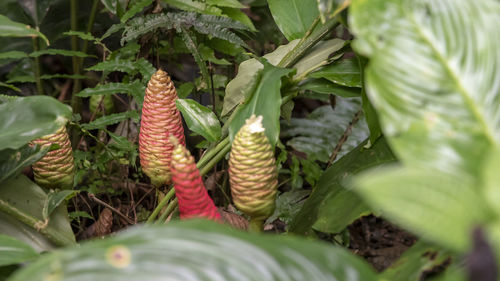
(197, 250)
(433, 77)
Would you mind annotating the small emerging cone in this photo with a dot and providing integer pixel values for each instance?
(189, 188)
(252, 172)
(160, 119)
(56, 169)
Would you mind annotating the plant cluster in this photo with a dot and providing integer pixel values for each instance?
(174, 132)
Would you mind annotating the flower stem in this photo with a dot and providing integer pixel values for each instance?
(255, 225)
(36, 67)
(170, 208)
(160, 205)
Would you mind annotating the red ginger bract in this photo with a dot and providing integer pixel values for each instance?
(160, 119)
(189, 188)
(56, 169)
(252, 172)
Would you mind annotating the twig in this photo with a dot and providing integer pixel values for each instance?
(344, 137)
(99, 201)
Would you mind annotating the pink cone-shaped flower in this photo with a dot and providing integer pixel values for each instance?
(160, 119)
(189, 188)
(56, 169)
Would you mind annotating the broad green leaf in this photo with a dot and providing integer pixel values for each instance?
(239, 89)
(29, 78)
(36, 9)
(112, 30)
(324, 86)
(14, 251)
(318, 56)
(12, 161)
(200, 119)
(416, 262)
(318, 134)
(13, 55)
(194, 6)
(22, 196)
(198, 250)
(10, 28)
(293, 17)
(208, 54)
(344, 72)
(288, 204)
(81, 35)
(440, 208)
(433, 78)
(265, 100)
(331, 187)
(491, 179)
(136, 8)
(54, 200)
(25, 119)
(226, 3)
(60, 52)
(237, 14)
(185, 89)
(102, 122)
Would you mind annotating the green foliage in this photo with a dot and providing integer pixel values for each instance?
(201, 249)
(15, 251)
(200, 119)
(12, 161)
(293, 17)
(24, 119)
(10, 28)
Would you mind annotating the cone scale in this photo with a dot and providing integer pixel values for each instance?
(190, 191)
(160, 119)
(252, 172)
(56, 169)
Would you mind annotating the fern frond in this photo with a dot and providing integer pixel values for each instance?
(5, 98)
(219, 32)
(190, 42)
(131, 67)
(60, 52)
(81, 35)
(12, 87)
(114, 28)
(142, 25)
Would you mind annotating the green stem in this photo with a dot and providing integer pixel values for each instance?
(36, 67)
(219, 156)
(256, 225)
(75, 101)
(308, 42)
(211, 153)
(90, 24)
(162, 204)
(171, 207)
(52, 234)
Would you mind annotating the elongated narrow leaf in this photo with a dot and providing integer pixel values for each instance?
(60, 52)
(13, 55)
(440, 208)
(318, 55)
(200, 119)
(107, 120)
(368, 109)
(198, 250)
(113, 88)
(265, 100)
(433, 77)
(24, 119)
(293, 17)
(81, 35)
(194, 6)
(226, 3)
(14, 251)
(31, 79)
(191, 44)
(319, 210)
(12, 87)
(344, 72)
(324, 86)
(12, 161)
(10, 28)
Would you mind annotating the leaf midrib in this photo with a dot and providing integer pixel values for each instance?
(454, 76)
